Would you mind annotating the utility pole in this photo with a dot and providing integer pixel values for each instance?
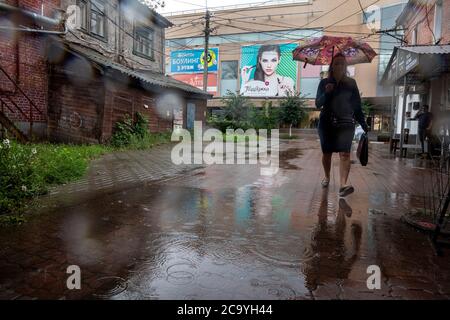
(206, 55)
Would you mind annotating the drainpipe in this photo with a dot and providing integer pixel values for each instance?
(35, 16)
(393, 109)
(402, 133)
(36, 30)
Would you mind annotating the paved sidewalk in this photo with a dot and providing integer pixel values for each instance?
(226, 232)
(118, 171)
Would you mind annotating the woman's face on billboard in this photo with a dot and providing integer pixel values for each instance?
(269, 62)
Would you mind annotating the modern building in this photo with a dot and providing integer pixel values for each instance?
(419, 73)
(239, 32)
(70, 69)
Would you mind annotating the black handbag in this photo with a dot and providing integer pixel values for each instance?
(363, 150)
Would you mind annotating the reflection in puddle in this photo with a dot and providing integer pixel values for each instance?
(222, 233)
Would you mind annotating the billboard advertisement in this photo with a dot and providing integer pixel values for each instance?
(268, 70)
(196, 80)
(192, 61)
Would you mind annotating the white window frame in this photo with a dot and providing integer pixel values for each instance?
(438, 20)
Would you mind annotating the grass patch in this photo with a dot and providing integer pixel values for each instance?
(146, 142)
(12, 220)
(29, 170)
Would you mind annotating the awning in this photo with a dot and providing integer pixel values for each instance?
(146, 78)
(417, 63)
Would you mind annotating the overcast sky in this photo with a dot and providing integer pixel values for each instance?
(180, 5)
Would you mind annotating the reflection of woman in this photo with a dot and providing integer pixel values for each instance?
(269, 57)
(332, 257)
(340, 102)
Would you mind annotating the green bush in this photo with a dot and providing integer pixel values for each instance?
(131, 134)
(219, 123)
(292, 110)
(18, 179)
(28, 170)
(240, 113)
(123, 133)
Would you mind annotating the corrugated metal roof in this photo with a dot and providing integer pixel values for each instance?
(431, 49)
(149, 77)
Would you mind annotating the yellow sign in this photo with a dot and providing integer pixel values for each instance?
(211, 58)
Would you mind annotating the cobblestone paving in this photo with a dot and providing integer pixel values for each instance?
(141, 228)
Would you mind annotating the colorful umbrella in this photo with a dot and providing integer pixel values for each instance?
(320, 51)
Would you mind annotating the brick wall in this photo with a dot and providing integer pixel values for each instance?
(22, 56)
(129, 100)
(424, 34)
(85, 110)
(75, 110)
(446, 22)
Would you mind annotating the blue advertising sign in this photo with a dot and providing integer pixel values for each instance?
(192, 61)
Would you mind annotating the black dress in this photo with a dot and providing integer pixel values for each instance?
(343, 105)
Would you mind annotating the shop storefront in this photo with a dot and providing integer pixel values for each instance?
(419, 75)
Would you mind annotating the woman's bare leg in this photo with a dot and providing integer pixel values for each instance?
(344, 167)
(326, 162)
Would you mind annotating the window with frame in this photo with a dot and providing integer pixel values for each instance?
(143, 42)
(414, 36)
(438, 20)
(93, 17)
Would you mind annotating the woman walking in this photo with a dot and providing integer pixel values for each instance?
(340, 103)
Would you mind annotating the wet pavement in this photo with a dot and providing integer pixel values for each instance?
(226, 232)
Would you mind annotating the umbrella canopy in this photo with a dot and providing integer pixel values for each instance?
(320, 51)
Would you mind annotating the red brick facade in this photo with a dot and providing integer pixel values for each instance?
(85, 110)
(425, 27)
(22, 55)
(72, 109)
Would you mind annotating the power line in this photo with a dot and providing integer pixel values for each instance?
(188, 23)
(279, 23)
(313, 21)
(295, 40)
(190, 3)
(284, 35)
(362, 10)
(253, 6)
(310, 22)
(287, 25)
(277, 33)
(178, 36)
(321, 16)
(243, 16)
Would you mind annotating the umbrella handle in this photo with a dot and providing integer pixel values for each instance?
(306, 62)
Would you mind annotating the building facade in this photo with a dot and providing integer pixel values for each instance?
(238, 33)
(420, 70)
(88, 66)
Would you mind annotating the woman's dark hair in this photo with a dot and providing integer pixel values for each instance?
(259, 73)
(330, 70)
